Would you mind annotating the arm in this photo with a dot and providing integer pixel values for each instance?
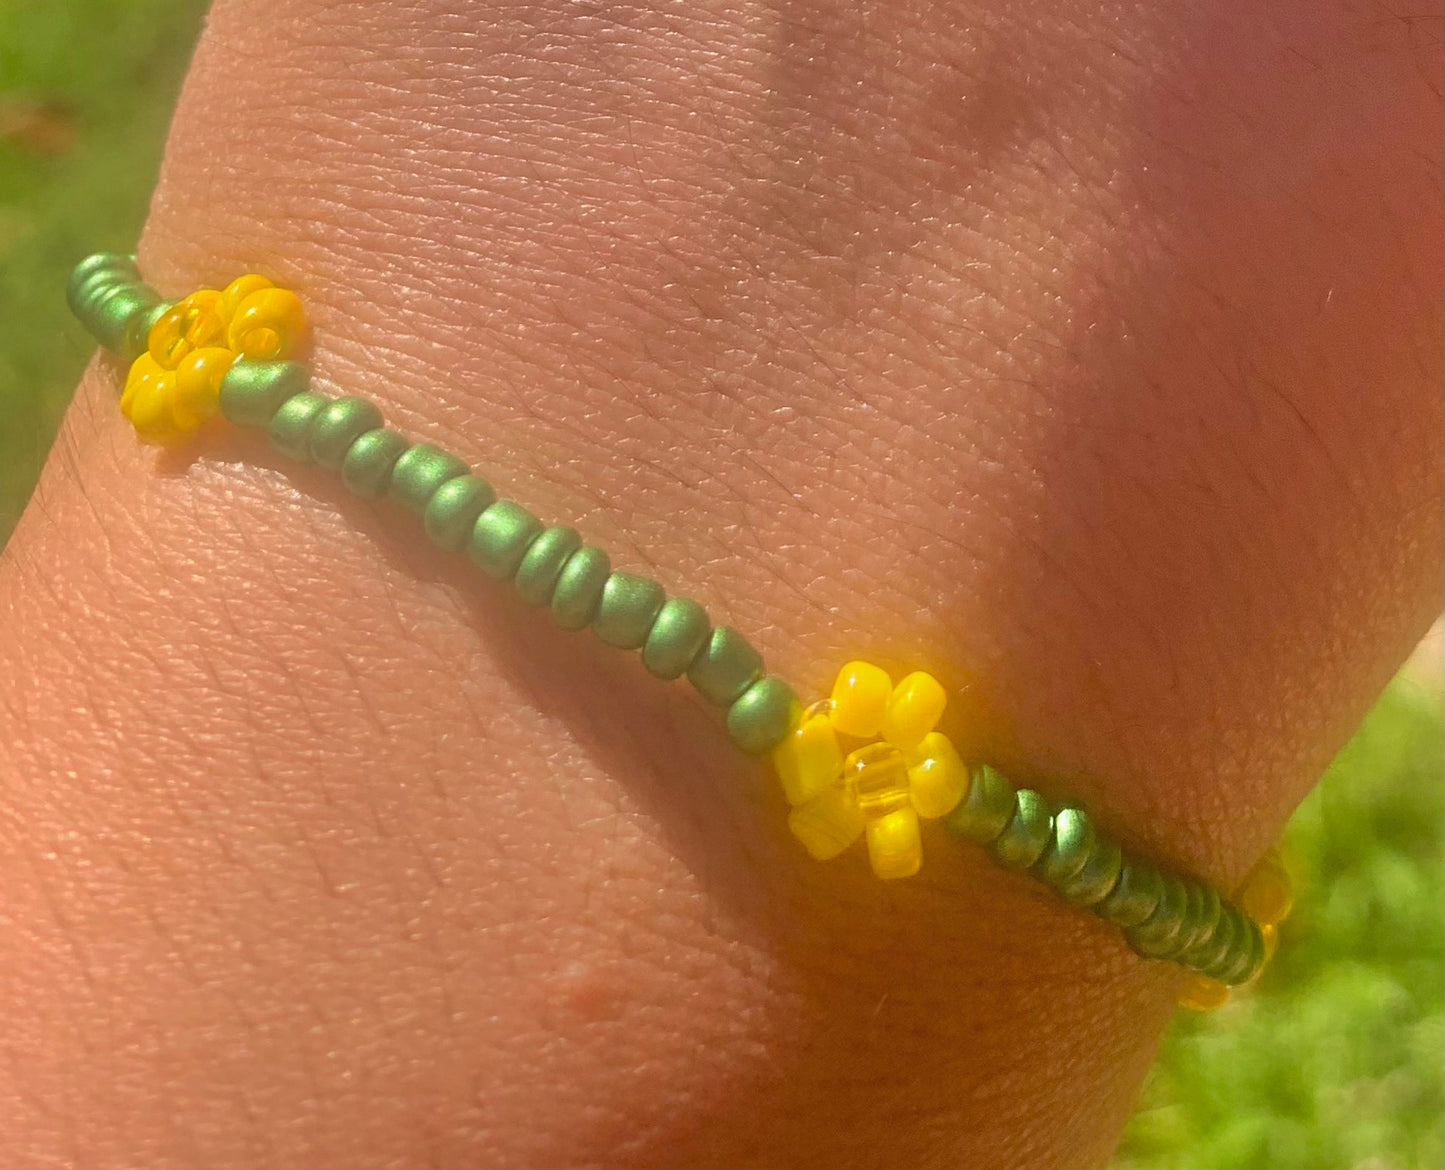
(1089, 360)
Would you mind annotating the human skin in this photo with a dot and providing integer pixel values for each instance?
(1087, 356)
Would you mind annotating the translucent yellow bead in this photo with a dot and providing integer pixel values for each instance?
(1267, 894)
(876, 777)
(809, 759)
(1271, 942)
(913, 710)
(1199, 993)
(860, 698)
(895, 846)
(827, 824)
(190, 324)
(937, 778)
(269, 323)
(198, 385)
(237, 291)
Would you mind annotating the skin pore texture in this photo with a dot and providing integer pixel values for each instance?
(1085, 355)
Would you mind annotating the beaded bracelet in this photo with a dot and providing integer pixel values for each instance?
(230, 351)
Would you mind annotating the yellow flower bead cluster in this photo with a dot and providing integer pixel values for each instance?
(1267, 896)
(174, 386)
(879, 789)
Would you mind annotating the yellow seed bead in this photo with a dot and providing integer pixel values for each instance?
(913, 710)
(267, 324)
(143, 371)
(190, 324)
(895, 846)
(937, 778)
(1267, 894)
(860, 697)
(1271, 942)
(876, 777)
(237, 291)
(827, 824)
(198, 385)
(1199, 993)
(809, 759)
(152, 410)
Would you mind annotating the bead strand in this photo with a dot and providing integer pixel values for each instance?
(230, 351)
(548, 566)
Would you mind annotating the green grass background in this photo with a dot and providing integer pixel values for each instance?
(1334, 1060)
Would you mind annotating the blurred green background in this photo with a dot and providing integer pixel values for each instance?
(1334, 1060)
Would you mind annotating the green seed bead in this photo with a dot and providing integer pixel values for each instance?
(542, 565)
(1154, 937)
(984, 811)
(676, 638)
(1248, 955)
(500, 538)
(1097, 877)
(1134, 897)
(419, 472)
(629, 606)
(97, 269)
(115, 319)
(338, 426)
(761, 717)
(290, 428)
(1027, 832)
(252, 391)
(452, 512)
(1073, 841)
(1218, 952)
(1204, 911)
(578, 591)
(1192, 927)
(725, 667)
(366, 470)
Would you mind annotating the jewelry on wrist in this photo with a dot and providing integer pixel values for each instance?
(867, 762)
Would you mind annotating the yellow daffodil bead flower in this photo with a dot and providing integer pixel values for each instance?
(174, 386)
(879, 790)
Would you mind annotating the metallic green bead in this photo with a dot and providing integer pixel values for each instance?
(252, 391)
(725, 666)
(116, 319)
(762, 715)
(1192, 924)
(677, 636)
(1247, 955)
(338, 426)
(1201, 918)
(1027, 832)
(290, 427)
(452, 512)
(1155, 936)
(1218, 951)
(419, 472)
(98, 269)
(1134, 897)
(500, 538)
(366, 470)
(629, 606)
(989, 804)
(537, 574)
(85, 290)
(1070, 846)
(1097, 877)
(578, 591)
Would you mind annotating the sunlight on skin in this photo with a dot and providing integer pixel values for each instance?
(1085, 358)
